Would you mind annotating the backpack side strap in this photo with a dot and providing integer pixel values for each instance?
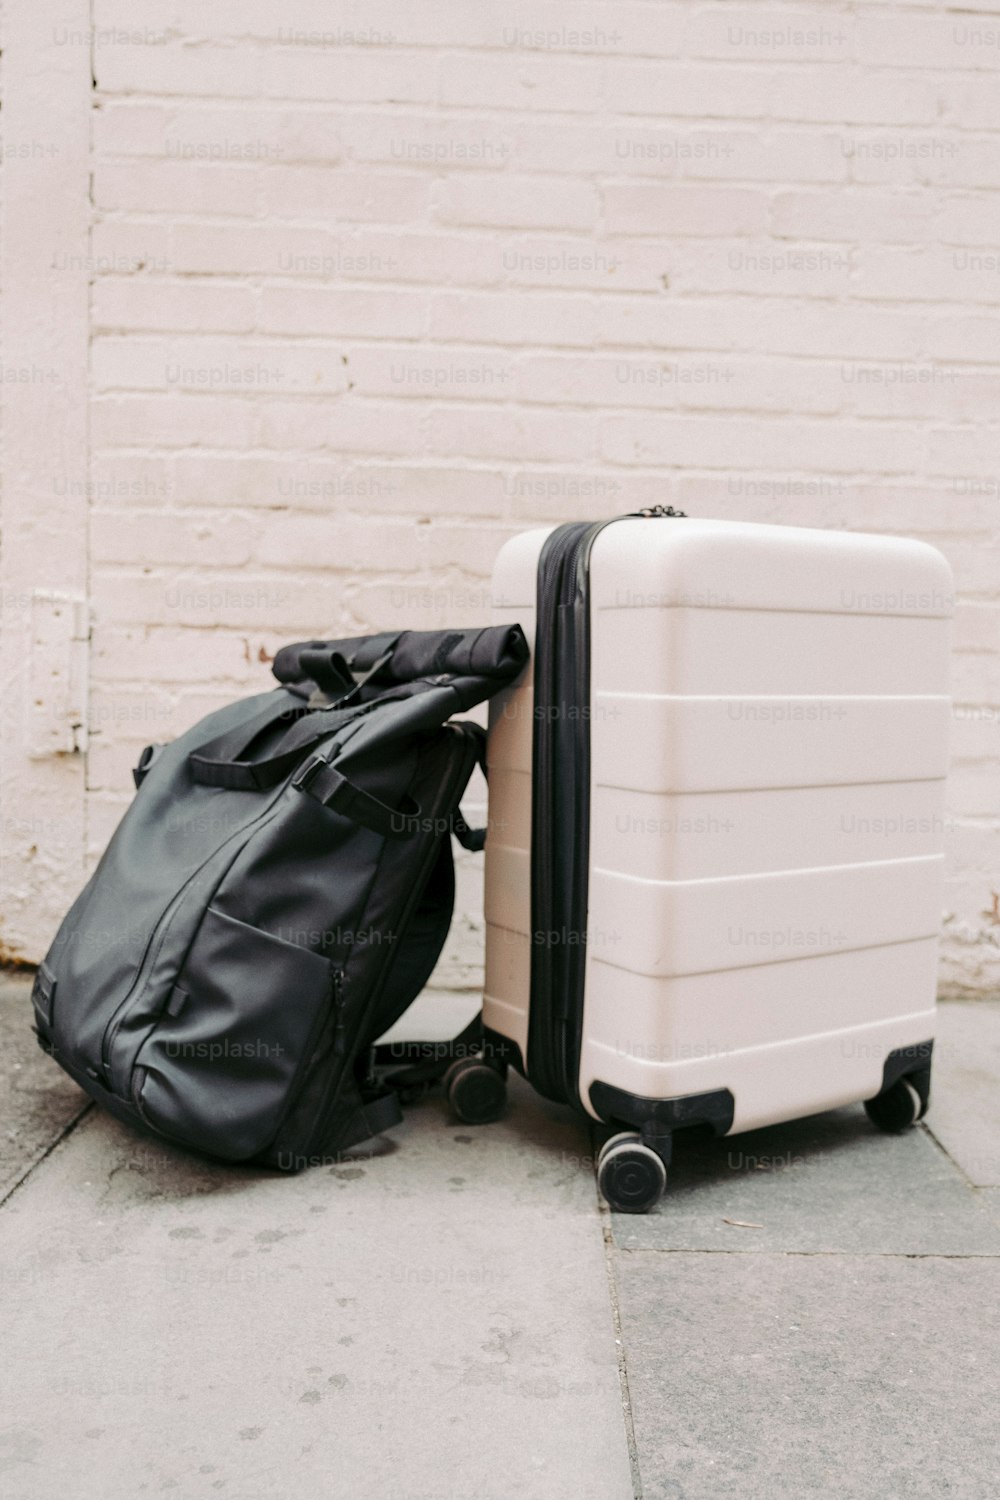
(375, 1116)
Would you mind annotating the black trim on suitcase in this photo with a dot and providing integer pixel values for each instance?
(657, 1118)
(903, 1062)
(560, 808)
(560, 812)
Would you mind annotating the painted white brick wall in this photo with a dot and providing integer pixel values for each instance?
(373, 287)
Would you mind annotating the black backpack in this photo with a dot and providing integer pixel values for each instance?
(275, 897)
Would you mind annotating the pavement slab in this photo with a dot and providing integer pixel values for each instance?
(38, 1103)
(426, 1321)
(452, 1313)
(829, 1183)
(965, 1098)
(807, 1377)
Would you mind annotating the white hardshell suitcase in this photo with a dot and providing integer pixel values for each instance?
(714, 861)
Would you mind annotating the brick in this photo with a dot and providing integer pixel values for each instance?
(975, 734)
(323, 312)
(143, 305)
(292, 482)
(932, 274)
(224, 365)
(168, 656)
(302, 254)
(933, 42)
(976, 627)
(758, 34)
(854, 215)
(694, 89)
(371, 74)
(522, 202)
(959, 336)
(684, 209)
(244, 599)
(752, 90)
(761, 267)
(333, 195)
(945, 158)
(975, 683)
(125, 480)
(918, 388)
(413, 601)
(429, 142)
(429, 374)
(592, 26)
(688, 381)
(525, 317)
(611, 265)
(175, 421)
(379, 427)
(970, 101)
(171, 187)
(600, 28)
(186, 67)
(516, 435)
(859, 96)
(969, 220)
(972, 794)
(635, 149)
(198, 133)
(521, 80)
(378, 545)
(133, 536)
(712, 442)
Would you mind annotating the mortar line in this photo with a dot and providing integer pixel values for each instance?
(839, 1254)
(627, 1418)
(29, 1171)
(952, 1161)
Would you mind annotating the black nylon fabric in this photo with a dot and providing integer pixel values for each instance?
(497, 652)
(239, 947)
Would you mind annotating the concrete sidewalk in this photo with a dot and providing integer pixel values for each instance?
(811, 1312)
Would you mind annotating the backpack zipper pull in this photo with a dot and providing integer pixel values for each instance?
(339, 1029)
(661, 510)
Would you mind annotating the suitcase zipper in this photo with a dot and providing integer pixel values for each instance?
(560, 814)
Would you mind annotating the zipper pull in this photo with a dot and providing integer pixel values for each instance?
(339, 1029)
(660, 510)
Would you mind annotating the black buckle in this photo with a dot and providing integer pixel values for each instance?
(304, 778)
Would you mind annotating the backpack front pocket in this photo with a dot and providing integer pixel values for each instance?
(219, 1070)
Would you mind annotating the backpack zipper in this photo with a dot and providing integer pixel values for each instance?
(248, 830)
(339, 1028)
(331, 1095)
(159, 932)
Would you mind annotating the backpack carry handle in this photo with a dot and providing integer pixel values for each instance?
(224, 763)
(333, 675)
(331, 788)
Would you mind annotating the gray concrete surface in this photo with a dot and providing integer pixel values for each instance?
(37, 1101)
(455, 1315)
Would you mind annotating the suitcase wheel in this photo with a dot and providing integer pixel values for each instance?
(476, 1091)
(630, 1175)
(898, 1107)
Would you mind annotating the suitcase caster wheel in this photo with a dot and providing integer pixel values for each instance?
(476, 1092)
(630, 1175)
(896, 1109)
(616, 1140)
